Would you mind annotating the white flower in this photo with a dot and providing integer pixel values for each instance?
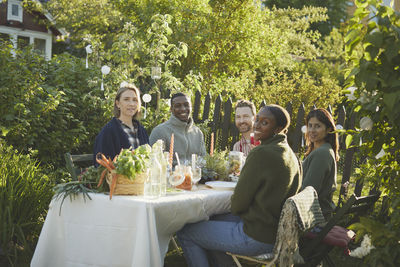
(105, 69)
(123, 84)
(366, 123)
(350, 96)
(304, 129)
(366, 247)
(380, 154)
(339, 127)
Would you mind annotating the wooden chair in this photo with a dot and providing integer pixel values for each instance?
(315, 250)
(303, 212)
(77, 163)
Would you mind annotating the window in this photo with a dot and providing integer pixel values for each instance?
(14, 10)
(40, 45)
(22, 42)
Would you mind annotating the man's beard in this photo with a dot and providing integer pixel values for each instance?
(244, 129)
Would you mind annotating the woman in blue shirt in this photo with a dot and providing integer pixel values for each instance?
(124, 130)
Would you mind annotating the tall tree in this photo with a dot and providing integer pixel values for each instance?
(233, 47)
(336, 10)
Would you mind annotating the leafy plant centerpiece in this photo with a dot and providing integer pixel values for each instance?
(216, 166)
(127, 165)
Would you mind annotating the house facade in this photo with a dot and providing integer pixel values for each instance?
(25, 28)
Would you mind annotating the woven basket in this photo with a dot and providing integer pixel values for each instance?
(126, 186)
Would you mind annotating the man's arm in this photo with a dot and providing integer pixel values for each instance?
(157, 134)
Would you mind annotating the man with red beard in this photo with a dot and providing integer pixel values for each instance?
(245, 112)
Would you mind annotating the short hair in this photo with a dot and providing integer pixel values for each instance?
(246, 103)
(282, 117)
(178, 95)
(121, 90)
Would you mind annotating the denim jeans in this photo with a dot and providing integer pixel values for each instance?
(211, 239)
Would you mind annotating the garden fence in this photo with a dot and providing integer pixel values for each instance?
(222, 124)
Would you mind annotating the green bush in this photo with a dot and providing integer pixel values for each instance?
(372, 46)
(25, 193)
(50, 106)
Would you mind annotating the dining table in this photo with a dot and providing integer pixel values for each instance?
(122, 231)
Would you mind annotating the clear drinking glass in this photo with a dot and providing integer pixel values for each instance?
(178, 176)
(196, 176)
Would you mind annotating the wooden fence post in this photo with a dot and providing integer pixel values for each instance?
(226, 124)
(297, 135)
(341, 120)
(348, 159)
(289, 109)
(206, 110)
(196, 107)
(216, 120)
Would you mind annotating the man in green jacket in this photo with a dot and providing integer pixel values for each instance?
(188, 138)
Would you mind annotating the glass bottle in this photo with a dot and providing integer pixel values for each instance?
(165, 174)
(155, 172)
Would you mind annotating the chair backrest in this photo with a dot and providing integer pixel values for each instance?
(299, 213)
(77, 163)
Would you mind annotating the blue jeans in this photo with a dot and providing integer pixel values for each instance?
(211, 239)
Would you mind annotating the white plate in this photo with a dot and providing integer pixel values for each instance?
(221, 185)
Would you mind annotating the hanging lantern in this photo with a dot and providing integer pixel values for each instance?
(156, 73)
(88, 51)
(146, 99)
(366, 123)
(104, 71)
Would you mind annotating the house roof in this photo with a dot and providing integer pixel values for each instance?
(49, 17)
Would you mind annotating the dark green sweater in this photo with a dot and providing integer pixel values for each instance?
(319, 171)
(270, 175)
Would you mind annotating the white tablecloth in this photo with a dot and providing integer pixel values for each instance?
(125, 231)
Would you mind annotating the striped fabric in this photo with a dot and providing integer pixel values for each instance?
(308, 210)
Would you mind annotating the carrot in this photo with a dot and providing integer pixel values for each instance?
(104, 164)
(112, 165)
(103, 161)
(113, 184)
(103, 174)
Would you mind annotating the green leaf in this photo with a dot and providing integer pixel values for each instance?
(349, 139)
(9, 117)
(371, 52)
(392, 50)
(390, 99)
(375, 38)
